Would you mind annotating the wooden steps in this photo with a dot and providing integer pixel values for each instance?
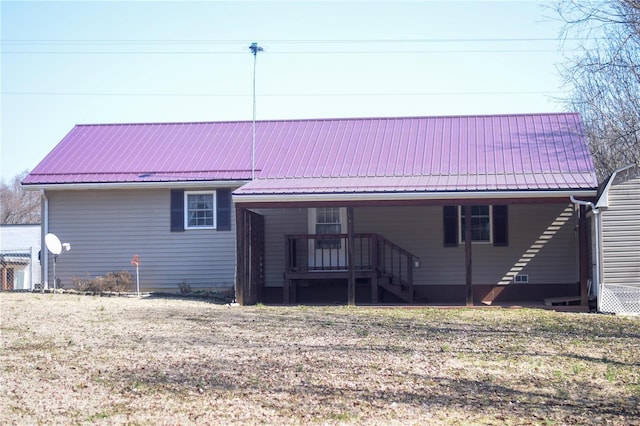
(565, 300)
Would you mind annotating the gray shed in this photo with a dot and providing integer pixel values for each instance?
(617, 247)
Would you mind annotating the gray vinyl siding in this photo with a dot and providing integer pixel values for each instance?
(107, 227)
(621, 231)
(542, 243)
(278, 223)
(419, 231)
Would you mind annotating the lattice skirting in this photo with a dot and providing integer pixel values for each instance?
(619, 299)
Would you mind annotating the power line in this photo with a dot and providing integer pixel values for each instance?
(404, 46)
(285, 95)
(292, 41)
(345, 52)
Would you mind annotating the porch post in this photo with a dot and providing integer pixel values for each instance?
(351, 286)
(584, 255)
(240, 255)
(373, 250)
(286, 282)
(467, 254)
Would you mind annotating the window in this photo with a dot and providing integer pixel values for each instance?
(489, 224)
(328, 222)
(199, 209)
(480, 223)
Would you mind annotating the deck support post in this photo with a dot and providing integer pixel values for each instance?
(351, 286)
(286, 291)
(584, 255)
(467, 255)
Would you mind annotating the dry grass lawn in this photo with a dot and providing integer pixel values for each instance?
(69, 359)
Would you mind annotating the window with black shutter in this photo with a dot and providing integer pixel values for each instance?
(489, 224)
(202, 209)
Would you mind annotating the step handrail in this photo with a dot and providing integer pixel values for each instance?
(395, 262)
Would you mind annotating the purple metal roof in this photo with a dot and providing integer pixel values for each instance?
(452, 153)
(161, 152)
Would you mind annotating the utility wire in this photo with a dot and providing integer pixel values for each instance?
(283, 95)
(234, 49)
(290, 41)
(301, 52)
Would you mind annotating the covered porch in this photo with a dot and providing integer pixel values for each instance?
(396, 253)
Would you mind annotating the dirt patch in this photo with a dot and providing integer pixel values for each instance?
(83, 359)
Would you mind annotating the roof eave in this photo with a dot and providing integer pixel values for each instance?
(411, 196)
(133, 185)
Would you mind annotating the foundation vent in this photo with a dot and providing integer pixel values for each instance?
(521, 279)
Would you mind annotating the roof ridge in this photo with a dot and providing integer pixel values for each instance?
(282, 120)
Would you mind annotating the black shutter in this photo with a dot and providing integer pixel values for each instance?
(177, 210)
(450, 225)
(223, 209)
(500, 226)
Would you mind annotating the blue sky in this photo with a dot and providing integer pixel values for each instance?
(66, 63)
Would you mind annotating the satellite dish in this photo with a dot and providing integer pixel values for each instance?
(53, 243)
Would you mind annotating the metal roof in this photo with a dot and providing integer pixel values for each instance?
(446, 153)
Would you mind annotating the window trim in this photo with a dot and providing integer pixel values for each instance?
(186, 209)
(461, 228)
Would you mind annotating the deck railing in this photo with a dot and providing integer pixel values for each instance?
(328, 252)
(313, 254)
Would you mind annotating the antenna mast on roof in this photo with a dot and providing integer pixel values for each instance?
(254, 49)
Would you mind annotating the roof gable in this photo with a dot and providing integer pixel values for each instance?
(541, 151)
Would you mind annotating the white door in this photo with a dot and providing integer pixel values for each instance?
(329, 253)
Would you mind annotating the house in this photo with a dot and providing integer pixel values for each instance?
(451, 209)
(19, 250)
(616, 242)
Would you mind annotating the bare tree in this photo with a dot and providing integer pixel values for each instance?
(604, 77)
(18, 206)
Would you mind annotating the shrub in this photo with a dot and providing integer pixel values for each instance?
(112, 281)
(185, 288)
(82, 284)
(118, 281)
